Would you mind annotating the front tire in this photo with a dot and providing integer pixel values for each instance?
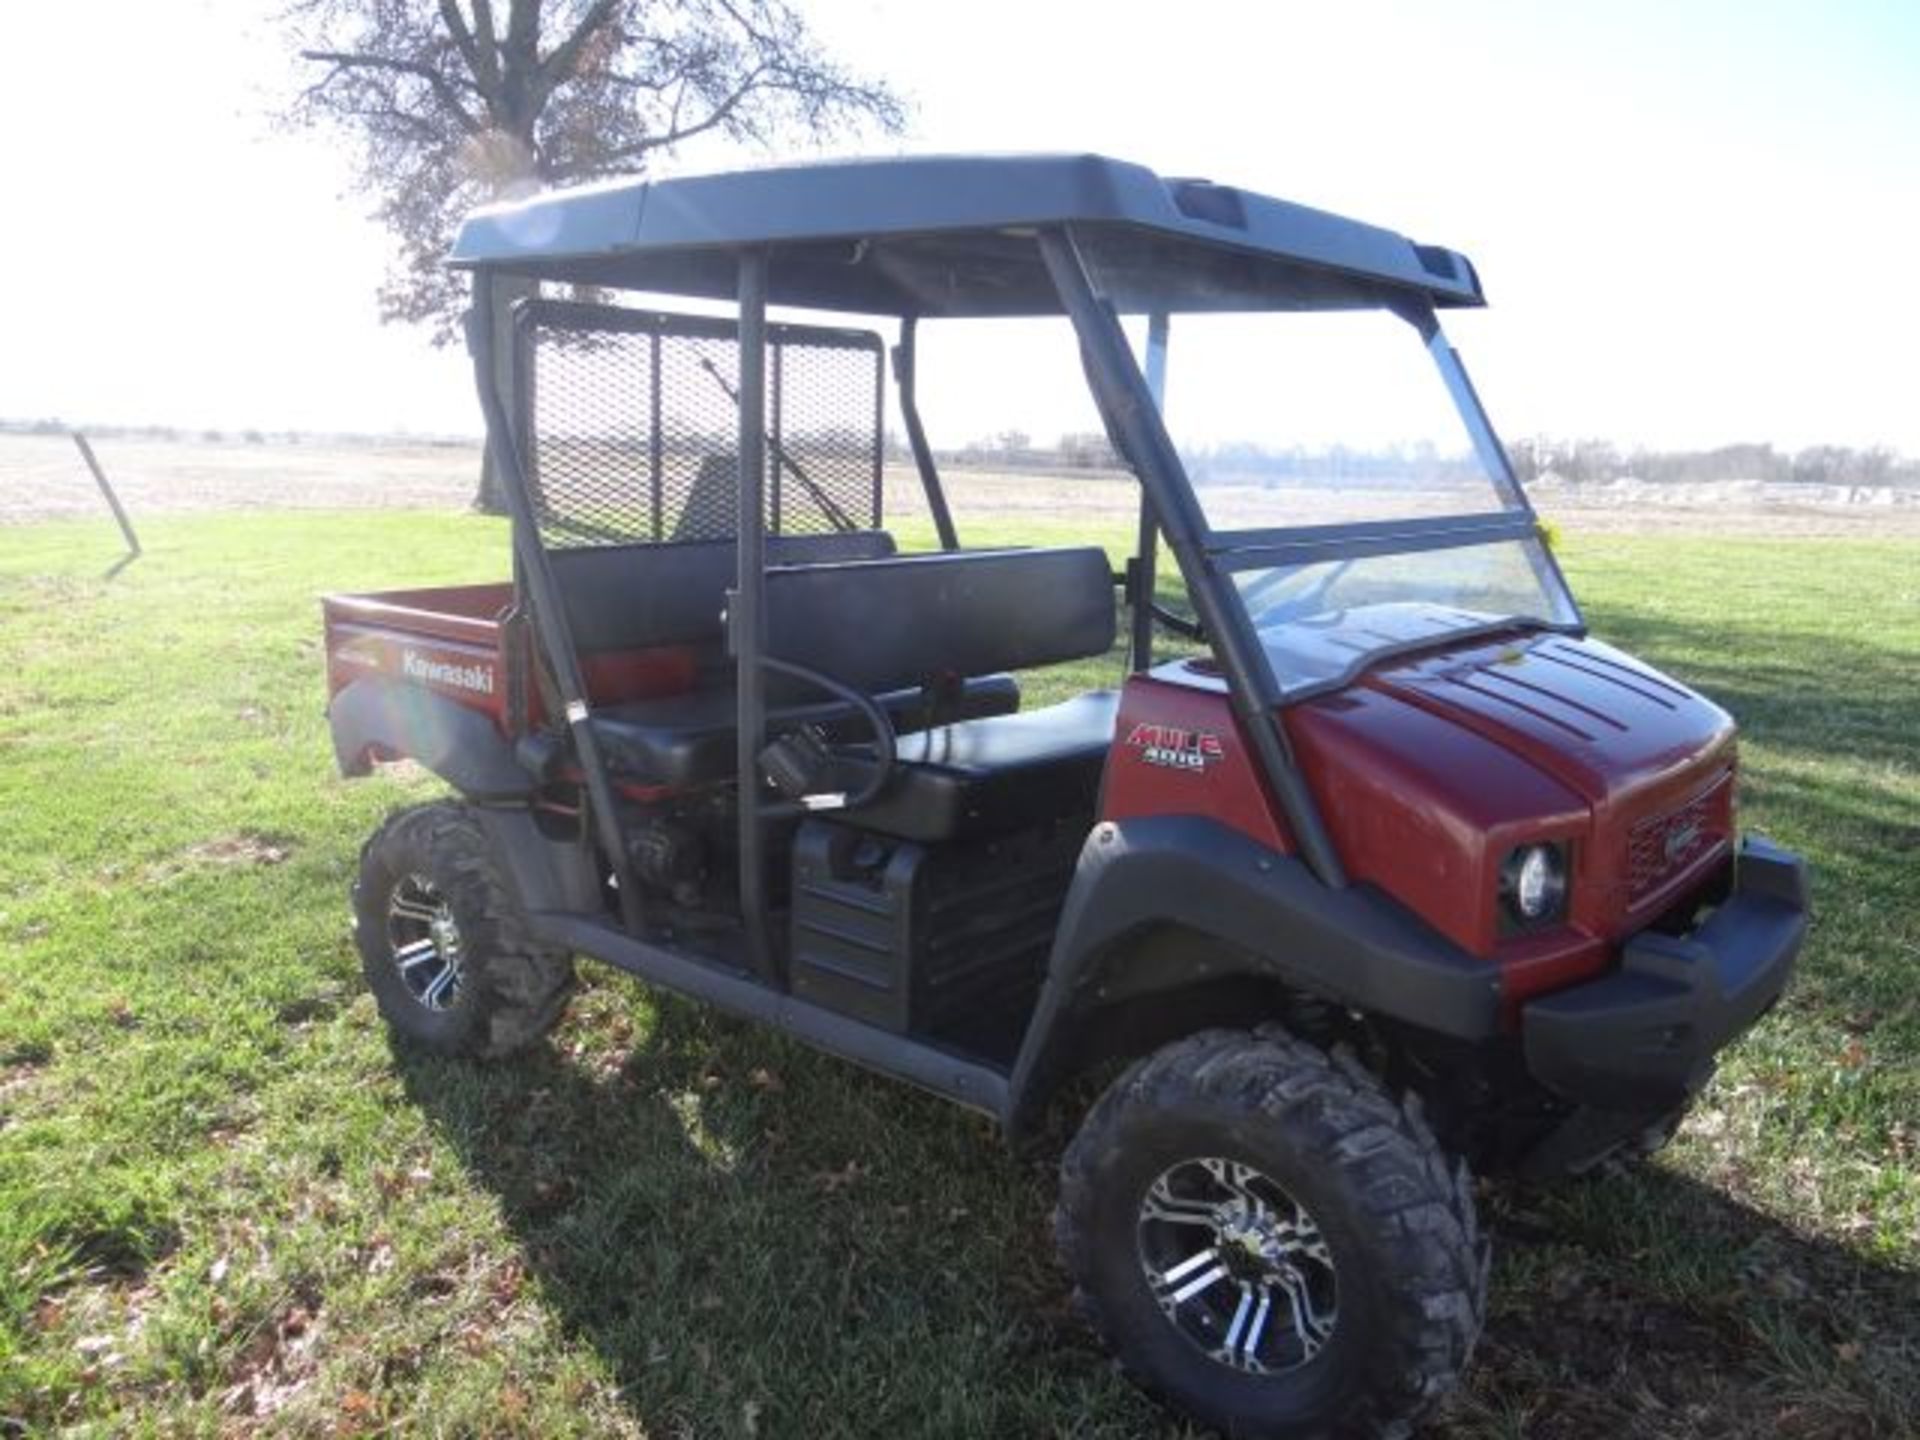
(1269, 1242)
(443, 946)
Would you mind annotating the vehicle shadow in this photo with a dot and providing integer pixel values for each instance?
(737, 1227)
(742, 1228)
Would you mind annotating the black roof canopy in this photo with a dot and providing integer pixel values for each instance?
(953, 235)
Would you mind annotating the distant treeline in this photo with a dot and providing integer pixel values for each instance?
(1588, 460)
(1016, 450)
(1577, 461)
(247, 436)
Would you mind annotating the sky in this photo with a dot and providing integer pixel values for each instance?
(1696, 221)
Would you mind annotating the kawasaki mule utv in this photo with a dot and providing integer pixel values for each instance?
(1379, 872)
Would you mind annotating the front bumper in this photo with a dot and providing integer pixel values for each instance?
(1641, 1040)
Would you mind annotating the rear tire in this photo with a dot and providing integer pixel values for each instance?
(1352, 1276)
(443, 946)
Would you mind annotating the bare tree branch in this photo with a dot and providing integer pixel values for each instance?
(475, 44)
(436, 82)
(559, 65)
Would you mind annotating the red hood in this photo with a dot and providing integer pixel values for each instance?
(1430, 769)
(1600, 722)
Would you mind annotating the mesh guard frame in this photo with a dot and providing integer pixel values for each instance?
(628, 431)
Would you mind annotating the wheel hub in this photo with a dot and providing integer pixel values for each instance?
(424, 943)
(1237, 1265)
(1250, 1243)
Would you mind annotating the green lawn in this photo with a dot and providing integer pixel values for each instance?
(226, 1203)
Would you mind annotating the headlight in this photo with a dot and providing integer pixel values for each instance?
(1533, 883)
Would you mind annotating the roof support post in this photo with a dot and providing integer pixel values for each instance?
(549, 618)
(746, 619)
(1128, 404)
(1146, 563)
(904, 356)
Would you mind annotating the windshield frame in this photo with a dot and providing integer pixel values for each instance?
(1234, 551)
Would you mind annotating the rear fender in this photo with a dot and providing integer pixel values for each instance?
(1181, 906)
(376, 718)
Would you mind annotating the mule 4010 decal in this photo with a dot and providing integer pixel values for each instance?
(1175, 748)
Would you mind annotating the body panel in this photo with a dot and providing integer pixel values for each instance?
(461, 644)
(1431, 769)
(1634, 745)
(1179, 751)
(1230, 906)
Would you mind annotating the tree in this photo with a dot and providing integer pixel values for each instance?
(453, 104)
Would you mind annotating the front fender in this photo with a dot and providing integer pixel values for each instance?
(1271, 919)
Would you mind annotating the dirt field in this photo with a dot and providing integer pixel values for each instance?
(43, 478)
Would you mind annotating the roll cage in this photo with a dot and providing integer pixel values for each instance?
(941, 237)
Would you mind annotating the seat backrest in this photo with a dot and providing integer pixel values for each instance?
(635, 597)
(889, 624)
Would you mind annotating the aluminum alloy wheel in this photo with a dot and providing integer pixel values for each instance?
(1237, 1266)
(424, 943)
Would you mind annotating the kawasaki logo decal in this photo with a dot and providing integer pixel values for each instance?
(477, 678)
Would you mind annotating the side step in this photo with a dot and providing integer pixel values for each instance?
(978, 1087)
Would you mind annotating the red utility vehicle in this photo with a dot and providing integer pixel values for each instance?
(1380, 870)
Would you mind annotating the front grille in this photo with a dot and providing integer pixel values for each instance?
(1662, 846)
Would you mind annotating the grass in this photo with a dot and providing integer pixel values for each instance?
(227, 1204)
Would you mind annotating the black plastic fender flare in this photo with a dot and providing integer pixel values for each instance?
(1353, 946)
(377, 716)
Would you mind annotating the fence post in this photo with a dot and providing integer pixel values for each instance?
(113, 500)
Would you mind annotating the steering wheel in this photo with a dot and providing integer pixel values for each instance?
(886, 740)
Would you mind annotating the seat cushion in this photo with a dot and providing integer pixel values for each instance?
(689, 739)
(993, 775)
(881, 625)
(634, 597)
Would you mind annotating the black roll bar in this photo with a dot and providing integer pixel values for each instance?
(1146, 560)
(550, 620)
(746, 614)
(903, 378)
(1129, 408)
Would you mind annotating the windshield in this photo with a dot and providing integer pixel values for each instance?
(1293, 427)
(1318, 418)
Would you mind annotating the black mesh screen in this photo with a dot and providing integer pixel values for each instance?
(630, 427)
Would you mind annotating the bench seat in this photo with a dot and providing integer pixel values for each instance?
(690, 739)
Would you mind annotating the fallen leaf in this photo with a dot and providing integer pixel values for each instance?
(358, 1406)
(832, 1180)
